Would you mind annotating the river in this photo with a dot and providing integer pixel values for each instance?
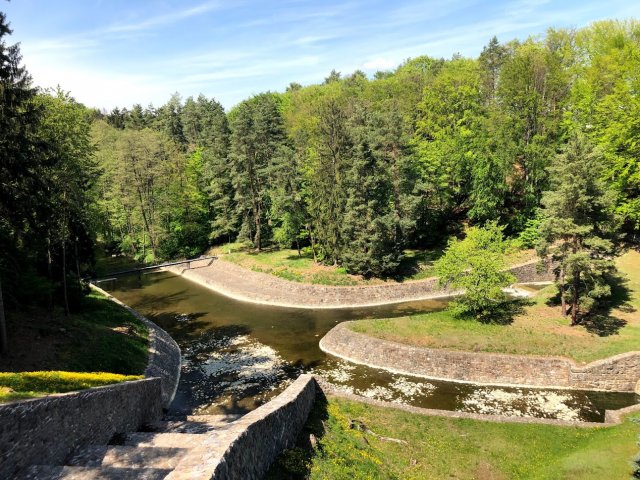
(238, 355)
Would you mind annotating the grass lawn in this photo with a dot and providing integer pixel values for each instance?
(47, 348)
(446, 448)
(21, 385)
(287, 264)
(541, 330)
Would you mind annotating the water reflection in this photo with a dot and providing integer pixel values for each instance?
(236, 356)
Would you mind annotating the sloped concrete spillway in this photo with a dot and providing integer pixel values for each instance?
(236, 356)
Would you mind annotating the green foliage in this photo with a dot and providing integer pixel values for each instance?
(577, 226)
(355, 169)
(46, 173)
(529, 237)
(443, 448)
(477, 266)
(257, 131)
(370, 227)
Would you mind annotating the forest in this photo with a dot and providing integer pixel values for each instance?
(352, 171)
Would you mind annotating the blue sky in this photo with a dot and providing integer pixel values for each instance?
(119, 52)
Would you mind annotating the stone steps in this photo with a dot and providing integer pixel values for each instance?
(47, 472)
(169, 439)
(151, 454)
(194, 424)
(121, 456)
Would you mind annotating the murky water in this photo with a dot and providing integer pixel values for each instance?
(238, 355)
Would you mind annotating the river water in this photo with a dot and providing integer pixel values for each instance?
(238, 355)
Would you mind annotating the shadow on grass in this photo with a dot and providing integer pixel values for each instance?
(415, 261)
(500, 314)
(603, 325)
(620, 293)
(600, 322)
(295, 463)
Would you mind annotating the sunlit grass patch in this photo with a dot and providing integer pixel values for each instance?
(443, 448)
(540, 330)
(20, 385)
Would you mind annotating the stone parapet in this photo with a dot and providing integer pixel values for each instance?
(247, 449)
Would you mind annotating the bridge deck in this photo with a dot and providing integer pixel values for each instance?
(153, 267)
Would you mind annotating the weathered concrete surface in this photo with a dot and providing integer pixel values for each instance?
(257, 287)
(247, 449)
(619, 373)
(165, 358)
(45, 430)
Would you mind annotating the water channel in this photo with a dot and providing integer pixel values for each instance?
(238, 355)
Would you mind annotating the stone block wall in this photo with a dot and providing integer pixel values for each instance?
(620, 373)
(44, 431)
(248, 449)
(533, 271)
(257, 287)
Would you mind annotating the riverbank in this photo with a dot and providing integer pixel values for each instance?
(298, 267)
(620, 373)
(257, 287)
(442, 448)
(538, 330)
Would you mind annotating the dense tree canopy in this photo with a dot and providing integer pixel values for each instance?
(354, 170)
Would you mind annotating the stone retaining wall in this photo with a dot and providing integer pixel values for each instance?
(612, 417)
(257, 287)
(620, 373)
(532, 272)
(165, 359)
(46, 430)
(43, 431)
(248, 449)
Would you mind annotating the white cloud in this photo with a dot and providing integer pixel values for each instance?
(165, 19)
(379, 64)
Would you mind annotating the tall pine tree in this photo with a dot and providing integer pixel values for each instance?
(576, 228)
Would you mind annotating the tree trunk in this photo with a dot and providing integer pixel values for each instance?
(258, 237)
(574, 303)
(4, 342)
(49, 269)
(563, 300)
(313, 244)
(64, 277)
(75, 246)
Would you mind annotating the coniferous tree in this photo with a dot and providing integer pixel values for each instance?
(576, 228)
(329, 163)
(288, 209)
(369, 228)
(20, 173)
(257, 131)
